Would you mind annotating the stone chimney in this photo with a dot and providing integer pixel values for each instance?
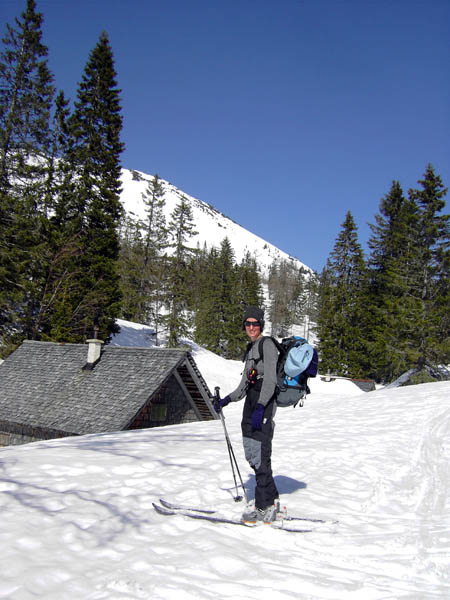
(94, 351)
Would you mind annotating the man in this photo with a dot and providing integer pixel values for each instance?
(258, 384)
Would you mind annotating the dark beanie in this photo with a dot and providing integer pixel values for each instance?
(253, 312)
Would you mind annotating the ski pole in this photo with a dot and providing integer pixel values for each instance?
(229, 447)
(231, 454)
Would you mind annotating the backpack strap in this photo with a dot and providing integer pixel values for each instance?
(247, 350)
(278, 346)
(261, 347)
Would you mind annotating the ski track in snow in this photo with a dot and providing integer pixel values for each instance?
(77, 517)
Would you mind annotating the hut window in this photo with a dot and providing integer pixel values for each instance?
(4, 439)
(158, 412)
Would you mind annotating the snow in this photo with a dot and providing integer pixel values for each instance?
(78, 522)
(211, 225)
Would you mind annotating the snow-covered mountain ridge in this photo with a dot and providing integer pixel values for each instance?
(211, 225)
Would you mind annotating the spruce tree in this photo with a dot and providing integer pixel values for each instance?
(181, 229)
(230, 312)
(155, 230)
(250, 284)
(143, 260)
(409, 280)
(342, 341)
(431, 283)
(26, 93)
(154, 271)
(58, 148)
(224, 289)
(325, 319)
(308, 299)
(281, 299)
(89, 208)
(248, 293)
(130, 269)
(287, 295)
(208, 293)
(392, 268)
(59, 251)
(440, 313)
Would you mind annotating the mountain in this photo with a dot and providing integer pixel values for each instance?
(212, 225)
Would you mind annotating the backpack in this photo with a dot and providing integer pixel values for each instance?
(297, 361)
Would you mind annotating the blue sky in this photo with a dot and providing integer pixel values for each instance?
(283, 114)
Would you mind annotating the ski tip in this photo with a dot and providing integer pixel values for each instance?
(161, 510)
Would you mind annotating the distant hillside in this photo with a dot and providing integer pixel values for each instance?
(211, 224)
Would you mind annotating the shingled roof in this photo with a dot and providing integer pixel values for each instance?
(43, 386)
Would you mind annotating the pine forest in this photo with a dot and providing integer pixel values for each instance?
(72, 261)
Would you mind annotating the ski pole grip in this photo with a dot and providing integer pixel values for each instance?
(216, 400)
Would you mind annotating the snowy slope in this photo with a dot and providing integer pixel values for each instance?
(212, 225)
(77, 517)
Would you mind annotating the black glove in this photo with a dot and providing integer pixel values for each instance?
(219, 404)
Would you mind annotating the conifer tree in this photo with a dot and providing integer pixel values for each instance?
(154, 268)
(287, 295)
(325, 321)
(155, 230)
(130, 269)
(280, 293)
(409, 280)
(26, 93)
(59, 251)
(181, 229)
(89, 208)
(341, 330)
(58, 148)
(143, 261)
(308, 299)
(440, 313)
(230, 312)
(224, 289)
(208, 292)
(431, 285)
(394, 308)
(251, 293)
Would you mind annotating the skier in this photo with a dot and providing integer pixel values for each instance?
(258, 385)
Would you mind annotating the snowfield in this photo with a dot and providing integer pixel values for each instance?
(78, 521)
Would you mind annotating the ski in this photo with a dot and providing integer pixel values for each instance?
(286, 517)
(171, 506)
(283, 515)
(216, 518)
(203, 516)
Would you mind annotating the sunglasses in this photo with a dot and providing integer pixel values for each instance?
(252, 323)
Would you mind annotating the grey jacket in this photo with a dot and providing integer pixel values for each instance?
(266, 369)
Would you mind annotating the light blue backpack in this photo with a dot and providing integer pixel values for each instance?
(297, 361)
